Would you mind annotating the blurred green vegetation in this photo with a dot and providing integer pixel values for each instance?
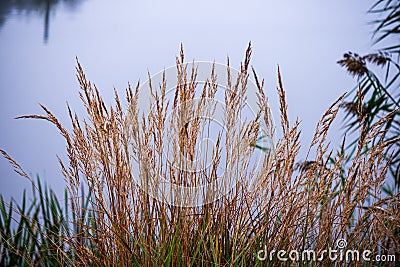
(377, 93)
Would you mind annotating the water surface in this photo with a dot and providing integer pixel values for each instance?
(119, 41)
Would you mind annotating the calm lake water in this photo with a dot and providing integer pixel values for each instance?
(118, 42)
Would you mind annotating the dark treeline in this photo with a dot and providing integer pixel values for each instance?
(37, 7)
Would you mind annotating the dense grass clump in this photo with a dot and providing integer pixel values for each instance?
(278, 206)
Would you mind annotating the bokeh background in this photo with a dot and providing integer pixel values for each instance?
(119, 41)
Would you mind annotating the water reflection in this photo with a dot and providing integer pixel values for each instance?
(36, 7)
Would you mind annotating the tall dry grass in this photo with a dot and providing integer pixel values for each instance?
(280, 205)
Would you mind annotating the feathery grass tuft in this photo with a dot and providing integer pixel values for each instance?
(292, 207)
